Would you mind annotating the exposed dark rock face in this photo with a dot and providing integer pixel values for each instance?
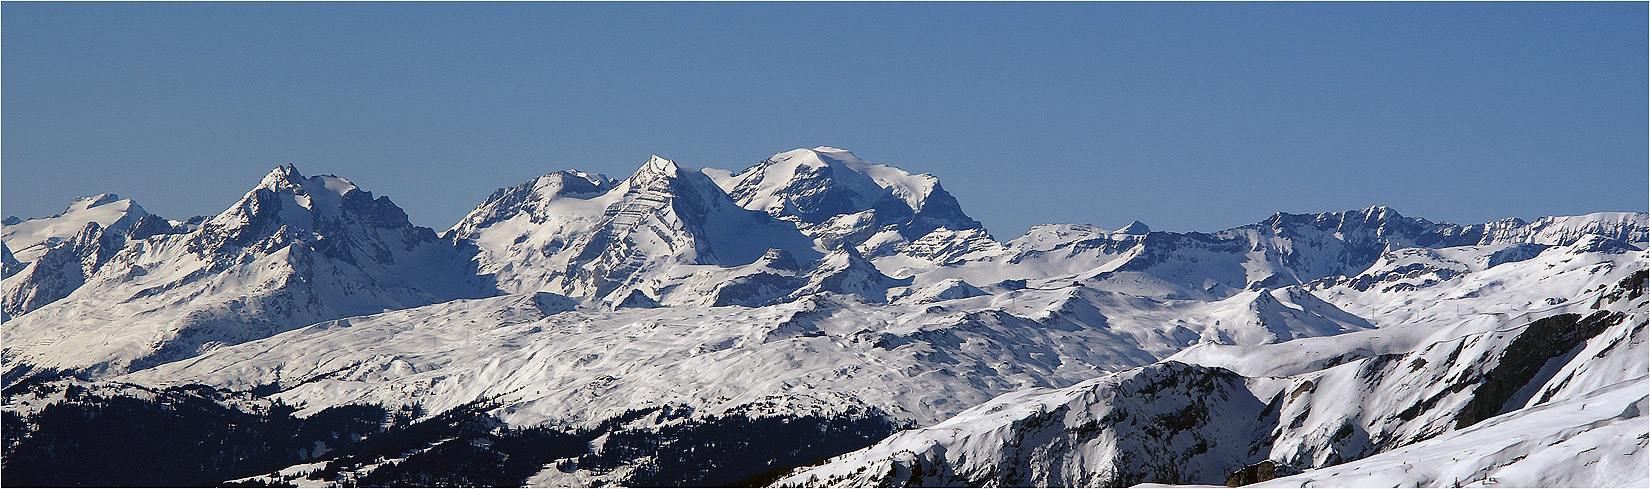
(1263, 471)
(1163, 422)
(68, 263)
(1169, 422)
(1541, 341)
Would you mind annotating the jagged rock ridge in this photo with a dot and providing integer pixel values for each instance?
(293, 251)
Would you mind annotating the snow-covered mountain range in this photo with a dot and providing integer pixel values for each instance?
(295, 250)
(706, 327)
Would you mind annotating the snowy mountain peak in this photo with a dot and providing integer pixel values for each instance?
(536, 200)
(565, 183)
(88, 202)
(1134, 228)
(841, 200)
(1368, 217)
(294, 250)
(28, 239)
(287, 205)
(55, 255)
(587, 237)
(324, 212)
(806, 186)
(913, 189)
(282, 176)
(656, 167)
(1631, 227)
(1042, 236)
(666, 183)
(320, 193)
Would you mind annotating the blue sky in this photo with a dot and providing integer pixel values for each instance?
(1184, 116)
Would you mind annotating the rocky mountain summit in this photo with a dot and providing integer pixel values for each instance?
(294, 250)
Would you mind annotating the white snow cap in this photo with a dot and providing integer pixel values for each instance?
(913, 189)
(28, 239)
(318, 193)
(88, 202)
(1135, 227)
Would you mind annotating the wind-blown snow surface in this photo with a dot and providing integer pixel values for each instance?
(818, 289)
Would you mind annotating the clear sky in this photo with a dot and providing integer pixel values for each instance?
(1184, 116)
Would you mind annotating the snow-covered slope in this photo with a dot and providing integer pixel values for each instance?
(918, 362)
(825, 343)
(47, 258)
(28, 239)
(1571, 435)
(544, 360)
(1162, 422)
(1424, 381)
(293, 251)
(711, 327)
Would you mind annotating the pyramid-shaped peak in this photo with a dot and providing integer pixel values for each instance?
(288, 178)
(778, 259)
(1134, 228)
(288, 170)
(301, 197)
(658, 164)
(282, 175)
(656, 168)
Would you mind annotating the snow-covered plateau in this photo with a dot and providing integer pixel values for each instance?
(812, 320)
